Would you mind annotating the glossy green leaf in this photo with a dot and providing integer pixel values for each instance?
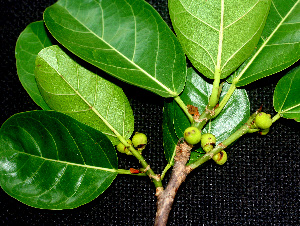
(197, 93)
(279, 45)
(51, 161)
(218, 34)
(126, 38)
(30, 42)
(169, 136)
(287, 95)
(70, 88)
(196, 155)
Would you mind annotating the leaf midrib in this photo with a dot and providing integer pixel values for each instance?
(122, 55)
(69, 163)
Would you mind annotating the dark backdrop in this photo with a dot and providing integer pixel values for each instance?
(258, 185)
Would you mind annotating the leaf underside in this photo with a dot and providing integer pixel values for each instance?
(126, 38)
(279, 44)
(170, 138)
(218, 34)
(287, 95)
(30, 42)
(50, 161)
(70, 88)
(197, 93)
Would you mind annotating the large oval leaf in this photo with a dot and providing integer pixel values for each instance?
(287, 95)
(218, 34)
(197, 93)
(30, 42)
(279, 44)
(70, 88)
(50, 161)
(126, 38)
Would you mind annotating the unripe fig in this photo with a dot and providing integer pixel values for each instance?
(121, 148)
(192, 135)
(139, 141)
(220, 158)
(264, 131)
(263, 120)
(208, 142)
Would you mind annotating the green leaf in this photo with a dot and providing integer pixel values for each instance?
(218, 34)
(50, 161)
(70, 88)
(197, 93)
(30, 42)
(278, 47)
(287, 96)
(169, 136)
(126, 38)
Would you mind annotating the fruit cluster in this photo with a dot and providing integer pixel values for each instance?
(139, 142)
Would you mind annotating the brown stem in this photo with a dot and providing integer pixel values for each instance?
(166, 198)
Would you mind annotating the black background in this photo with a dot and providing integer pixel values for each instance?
(258, 185)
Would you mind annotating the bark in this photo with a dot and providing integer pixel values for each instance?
(165, 198)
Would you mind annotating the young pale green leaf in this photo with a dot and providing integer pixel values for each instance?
(287, 95)
(218, 34)
(169, 137)
(70, 88)
(30, 42)
(279, 44)
(49, 160)
(126, 38)
(197, 93)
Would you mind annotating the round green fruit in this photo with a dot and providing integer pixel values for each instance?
(121, 148)
(192, 135)
(264, 131)
(263, 120)
(220, 158)
(208, 141)
(139, 141)
(208, 148)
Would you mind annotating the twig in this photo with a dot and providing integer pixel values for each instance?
(166, 198)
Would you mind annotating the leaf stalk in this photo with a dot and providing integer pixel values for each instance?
(184, 108)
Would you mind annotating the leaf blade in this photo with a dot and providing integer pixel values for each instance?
(221, 34)
(30, 42)
(169, 136)
(286, 98)
(278, 47)
(70, 88)
(51, 161)
(144, 53)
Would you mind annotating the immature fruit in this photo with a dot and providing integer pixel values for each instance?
(220, 158)
(121, 148)
(208, 142)
(263, 120)
(264, 131)
(139, 141)
(192, 135)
